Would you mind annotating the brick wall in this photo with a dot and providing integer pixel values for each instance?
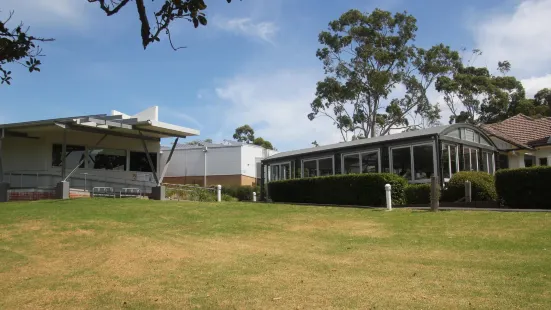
(224, 180)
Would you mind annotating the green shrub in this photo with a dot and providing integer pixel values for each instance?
(417, 194)
(353, 189)
(190, 192)
(482, 186)
(228, 198)
(242, 193)
(525, 187)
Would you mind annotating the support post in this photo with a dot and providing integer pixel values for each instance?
(262, 180)
(434, 193)
(388, 190)
(151, 165)
(4, 186)
(468, 197)
(64, 154)
(165, 168)
(158, 193)
(219, 193)
(254, 196)
(205, 172)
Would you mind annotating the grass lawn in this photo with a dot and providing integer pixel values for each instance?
(140, 254)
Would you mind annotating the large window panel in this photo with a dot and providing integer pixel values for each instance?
(370, 162)
(107, 159)
(310, 168)
(446, 162)
(325, 166)
(351, 163)
(285, 172)
(423, 162)
(274, 173)
(453, 158)
(74, 155)
(139, 162)
(474, 160)
(401, 162)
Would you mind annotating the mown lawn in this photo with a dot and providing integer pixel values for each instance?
(138, 254)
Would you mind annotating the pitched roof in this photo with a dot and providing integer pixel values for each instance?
(522, 130)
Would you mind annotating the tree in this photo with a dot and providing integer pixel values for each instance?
(315, 143)
(263, 143)
(366, 57)
(19, 47)
(244, 133)
(190, 10)
(475, 96)
(199, 142)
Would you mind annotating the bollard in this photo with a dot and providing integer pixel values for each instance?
(434, 193)
(468, 196)
(219, 193)
(254, 196)
(388, 188)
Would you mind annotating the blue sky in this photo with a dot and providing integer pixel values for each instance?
(254, 63)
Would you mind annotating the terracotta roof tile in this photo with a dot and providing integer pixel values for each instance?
(522, 130)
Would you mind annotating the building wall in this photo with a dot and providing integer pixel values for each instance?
(28, 162)
(191, 162)
(212, 180)
(516, 158)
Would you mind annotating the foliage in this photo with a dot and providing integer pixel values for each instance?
(199, 142)
(190, 10)
(524, 187)
(17, 46)
(245, 134)
(191, 193)
(418, 194)
(315, 143)
(228, 198)
(353, 189)
(366, 57)
(242, 193)
(482, 186)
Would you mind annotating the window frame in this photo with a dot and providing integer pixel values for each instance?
(448, 147)
(317, 159)
(470, 158)
(279, 164)
(359, 154)
(411, 146)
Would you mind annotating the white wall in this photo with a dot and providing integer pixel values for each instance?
(191, 162)
(24, 157)
(516, 159)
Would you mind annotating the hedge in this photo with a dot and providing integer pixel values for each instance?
(417, 194)
(525, 187)
(353, 189)
(242, 193)
(482, 186)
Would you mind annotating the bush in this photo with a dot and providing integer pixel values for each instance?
(482, 186)
(242, 193)
(228, 198)
(190, 192)
(418, 194)
(524, 187)
(353, 189)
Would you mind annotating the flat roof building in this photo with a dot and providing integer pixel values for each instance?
(116, 150)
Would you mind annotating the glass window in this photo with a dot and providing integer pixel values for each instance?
(503, 161)
(529, 160)
(325, 166)
(453, 158)
(285, 172)
(470, 159)
(484, 163)
(543, 161)
(274, 173)
(74, 154)
(492, 169)
(370, 162)
(449, 160)
(351, 163)
(454, 134)
(423, 163)
(138, 161)
(474, 160)
(107, 159)
(310, 168)
(401, 162)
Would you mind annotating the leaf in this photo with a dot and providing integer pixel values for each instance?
(195, 22)
(202, 20)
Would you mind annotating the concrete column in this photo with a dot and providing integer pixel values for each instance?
(158, 193)
(520, 158)
(4, 191)
(62, 190)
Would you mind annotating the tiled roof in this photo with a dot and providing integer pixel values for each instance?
(522, 130)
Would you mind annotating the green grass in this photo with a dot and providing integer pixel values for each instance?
(138, 254)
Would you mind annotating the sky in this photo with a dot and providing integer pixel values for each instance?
(254, 63)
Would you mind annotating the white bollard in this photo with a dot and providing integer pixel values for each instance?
(219, 192)
(388, 188)
(254, 196)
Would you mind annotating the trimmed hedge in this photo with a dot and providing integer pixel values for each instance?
(482, 186)
(525, 187)
(353, 189)
(417, 194)
(242, 193)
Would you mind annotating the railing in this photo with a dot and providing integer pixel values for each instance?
(190, 192)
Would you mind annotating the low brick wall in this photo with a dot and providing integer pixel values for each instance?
(30, 194)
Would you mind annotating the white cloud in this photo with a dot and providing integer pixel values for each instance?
(245, 26)
(276, 105)
(47, 13)
(521, 37)
(535, 84)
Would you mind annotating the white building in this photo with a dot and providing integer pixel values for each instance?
(227, 163)
(85, 151)
(522, 141)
